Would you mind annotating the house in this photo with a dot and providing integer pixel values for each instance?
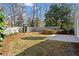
(76, 21)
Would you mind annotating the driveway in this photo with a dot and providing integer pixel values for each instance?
(65, 38)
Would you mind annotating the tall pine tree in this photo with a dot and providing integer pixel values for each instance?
(59, 15)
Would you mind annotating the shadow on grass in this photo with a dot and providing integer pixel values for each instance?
(33, 38)
(0, 45)
(48, 48)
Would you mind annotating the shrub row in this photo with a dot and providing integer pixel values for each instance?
(49, 31)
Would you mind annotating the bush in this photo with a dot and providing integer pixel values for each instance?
(1, 25)
(59, 31)
(48, 31)
(71, 31)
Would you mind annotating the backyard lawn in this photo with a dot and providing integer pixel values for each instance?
(34, 44)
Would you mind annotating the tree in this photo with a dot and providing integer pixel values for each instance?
(37, 22)
(33, 15)
(20, 15)
(59, 15)
(20, 20)
(29, 22)
(15, 13)
(36, 12)
(52, 15)
(1, 25)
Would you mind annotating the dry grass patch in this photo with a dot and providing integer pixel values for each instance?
(20, 42)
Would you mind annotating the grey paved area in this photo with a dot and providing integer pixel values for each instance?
(66, 38)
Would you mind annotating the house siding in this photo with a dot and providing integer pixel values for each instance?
(76, 24)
